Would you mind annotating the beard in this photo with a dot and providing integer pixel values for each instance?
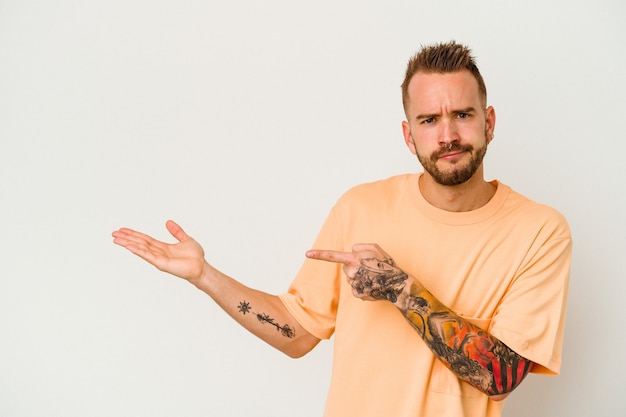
(457, 174)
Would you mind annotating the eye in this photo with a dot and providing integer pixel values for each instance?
(428, 121)
(463, 115)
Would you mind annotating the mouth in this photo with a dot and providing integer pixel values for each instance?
(455, 152)
(451, 155)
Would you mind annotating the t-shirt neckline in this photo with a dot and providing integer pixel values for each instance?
(463, 217)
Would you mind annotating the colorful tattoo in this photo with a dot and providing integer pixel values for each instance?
(470, 352)
(285, 330)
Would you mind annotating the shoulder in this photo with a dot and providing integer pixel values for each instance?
(377, 190)
(532, 214)
(377, 199)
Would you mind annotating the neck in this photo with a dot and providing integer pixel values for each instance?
(470, 195)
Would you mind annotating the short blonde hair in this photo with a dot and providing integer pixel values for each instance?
(442, 58)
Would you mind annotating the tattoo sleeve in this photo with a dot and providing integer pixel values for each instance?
(469, 351)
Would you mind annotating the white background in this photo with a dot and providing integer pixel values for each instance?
(244, 121)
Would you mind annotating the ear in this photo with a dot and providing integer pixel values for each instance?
(490, 122)
(408, 139)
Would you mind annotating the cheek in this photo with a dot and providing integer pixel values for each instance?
(423, 148)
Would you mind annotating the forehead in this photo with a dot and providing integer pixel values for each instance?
(431, 91)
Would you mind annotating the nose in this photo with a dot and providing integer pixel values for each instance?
(448, 135)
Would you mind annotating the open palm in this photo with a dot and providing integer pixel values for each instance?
(184, 259)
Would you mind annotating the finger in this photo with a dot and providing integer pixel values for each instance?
(141, 245)
(145, 247)
(144, 253)
(372, 247)
(121, 237)
(176, 230)
(331, 256)
(126, 236)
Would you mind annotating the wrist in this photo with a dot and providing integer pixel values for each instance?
(205, 278)
(411, 286)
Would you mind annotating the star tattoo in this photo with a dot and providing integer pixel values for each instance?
(244, 307)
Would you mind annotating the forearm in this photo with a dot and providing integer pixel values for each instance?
(470, 352)
(261, 313)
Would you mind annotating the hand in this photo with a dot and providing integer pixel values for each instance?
(184, 259)
(371, 272)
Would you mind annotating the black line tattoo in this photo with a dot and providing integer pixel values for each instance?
(380, 279)
(285, 330)
(244, 307)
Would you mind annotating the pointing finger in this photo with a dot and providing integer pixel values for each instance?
(331, 256)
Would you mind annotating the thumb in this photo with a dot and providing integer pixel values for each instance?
(176, 230)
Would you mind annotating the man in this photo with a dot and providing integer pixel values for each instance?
(466, 298)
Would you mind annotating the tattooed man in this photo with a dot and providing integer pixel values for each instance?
(468, 295)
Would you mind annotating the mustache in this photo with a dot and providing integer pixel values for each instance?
(454, 147)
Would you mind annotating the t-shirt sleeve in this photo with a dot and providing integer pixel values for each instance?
(313, 295)
(531, 316)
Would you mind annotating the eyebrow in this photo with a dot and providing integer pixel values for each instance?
(429, 115)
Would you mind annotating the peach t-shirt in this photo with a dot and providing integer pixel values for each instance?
(504, 267)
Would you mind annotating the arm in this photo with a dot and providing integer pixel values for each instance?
(262, 314)
(470, 352)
